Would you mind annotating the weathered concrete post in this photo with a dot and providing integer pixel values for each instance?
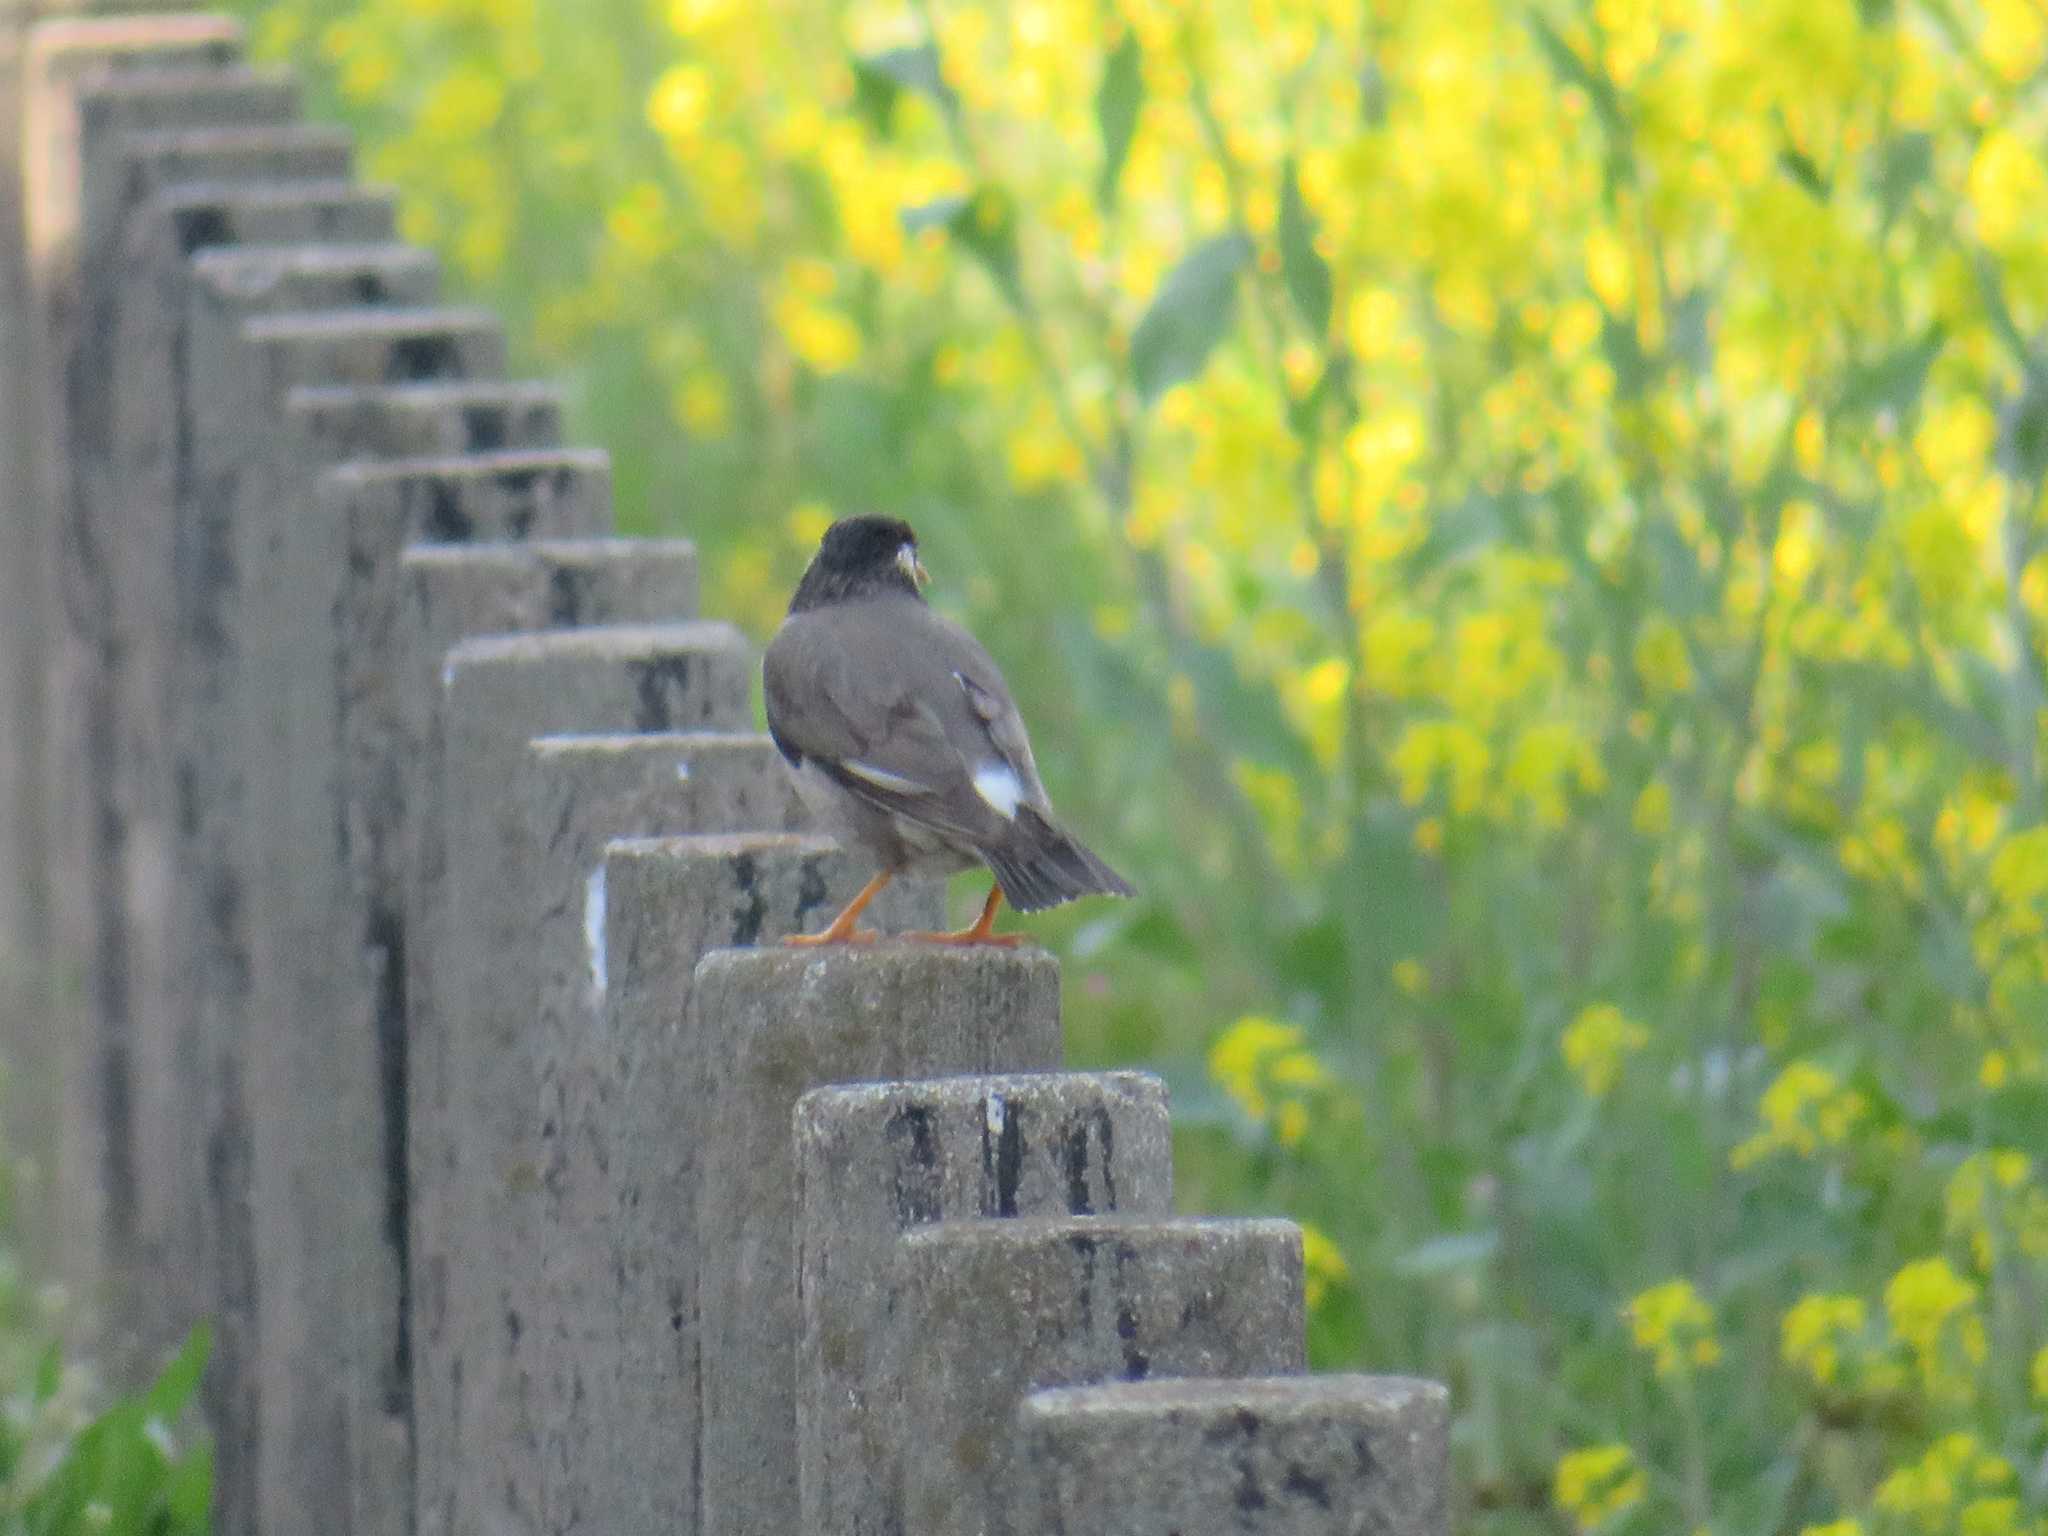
(479, 1061)
(767, 1025)
(328, 1028)
(142, 477)
(71, 1083)
(875, 1160)
(449, 592)
(630, 1433)
(982, 1312)
(1292, 1456)
(242, 470)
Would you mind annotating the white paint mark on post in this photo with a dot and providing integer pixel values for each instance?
(593, 928)
(997, 1112)
(683, 770)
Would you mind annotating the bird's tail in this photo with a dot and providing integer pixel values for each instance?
(1038, 865)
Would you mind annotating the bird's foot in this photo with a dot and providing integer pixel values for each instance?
(968, 938)
(828, 937)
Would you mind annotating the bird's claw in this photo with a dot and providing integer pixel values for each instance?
(968, 938)
(820, 940)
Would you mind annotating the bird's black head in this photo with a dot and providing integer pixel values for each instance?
(861, 557)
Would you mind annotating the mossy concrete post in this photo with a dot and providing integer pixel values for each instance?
(875, 1160)
(979, 1313)
(766, 1026)
(1286, 1456)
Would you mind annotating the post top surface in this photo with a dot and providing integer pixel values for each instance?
(848, 1100)
(654, 744)
(1269, 1397)
(468, 466)
(1012, 1234)
(600, 642)
(888, 957)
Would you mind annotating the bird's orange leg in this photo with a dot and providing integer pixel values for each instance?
(980, 932)
(841, 930)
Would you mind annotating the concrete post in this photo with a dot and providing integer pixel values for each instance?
(475, 1042)
(234, 502)
(453, 591)
(877, 1159)
(1291, 1456)
(549, 1232)
(45, 653)
(982, 1312)
(327, 1031)
(767, 1026)
(111, 543)
(629, 1384)
(149, 424)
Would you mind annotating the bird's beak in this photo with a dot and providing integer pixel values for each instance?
(911, 566)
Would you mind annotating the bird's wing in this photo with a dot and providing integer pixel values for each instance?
(871, 695)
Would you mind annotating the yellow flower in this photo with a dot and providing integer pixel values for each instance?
(1932, 1310)
(1597, 1043)
(1674, 1324)
(1956, 1476)
(1323, 1262)
(1816, 1329)
(1594, 1484)
(1804, 1109)
(1991, 1198)
(1267, 1067)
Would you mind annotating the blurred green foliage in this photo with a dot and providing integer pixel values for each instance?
(1520, 522)
(73, 1463)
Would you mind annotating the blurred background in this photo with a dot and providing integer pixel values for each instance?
(1519, 524)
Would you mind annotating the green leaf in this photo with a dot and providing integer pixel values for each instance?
(179, 1380)
(1117, 103)
(1190, 314)
(985, 225)
(1448, 1253)
(1302, 266)
(881, 78)
(2023, 430)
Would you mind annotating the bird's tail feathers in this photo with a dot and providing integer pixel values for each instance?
(1039, 865)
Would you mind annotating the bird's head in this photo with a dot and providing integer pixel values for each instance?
(862, 557)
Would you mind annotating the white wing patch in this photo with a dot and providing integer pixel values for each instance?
(882, 778)
(997, 783)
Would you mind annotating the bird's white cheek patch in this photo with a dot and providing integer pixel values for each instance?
(997, 784)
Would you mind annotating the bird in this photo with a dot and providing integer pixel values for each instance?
(905, 741)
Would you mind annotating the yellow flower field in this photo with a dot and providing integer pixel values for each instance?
(1521, 522)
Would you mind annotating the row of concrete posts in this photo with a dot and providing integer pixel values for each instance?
(393, 878)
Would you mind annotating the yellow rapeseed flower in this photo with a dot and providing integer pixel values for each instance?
(1815, 1332)
(1932, 1310)
(1674, 1325)
(1956, 1477)
(1268, 1068)
(1597, 1482)
(1323, 1262)
(1598, 1043)
(1805, 1109)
